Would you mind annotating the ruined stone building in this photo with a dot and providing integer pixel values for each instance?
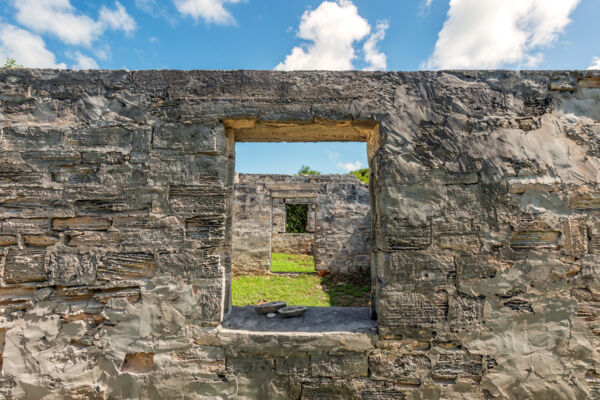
(116, 215)
(338, 221)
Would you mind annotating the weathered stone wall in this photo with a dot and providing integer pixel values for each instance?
(338, 221)
(115, 210)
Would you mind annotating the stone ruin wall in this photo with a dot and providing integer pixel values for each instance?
(115, 240)
(338, 224)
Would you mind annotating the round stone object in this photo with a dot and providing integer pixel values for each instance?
(291, 311)
(271, 315)
(267, 308)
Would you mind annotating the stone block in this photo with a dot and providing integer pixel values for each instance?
(465, 312)
(198, 199)
(452, 366)
(26, 225)
(52, 157)
(92, 239)
(71, 269)
(191, 139)
(398, 310)
(585, 201)
(104, 157)
(575, 241)
(480, 266)
(102, 137)
(128, 293)
(74, 175)
(191, 264)
(111, 204)
(33, 202)
(40, 240)
(207, 230)
(203, 358)
(400, 234)
(535, 240)
(468, 243)
(412, 270)
(32, 138)
(8, 240)
(295, 366)
(81, 224)
(23, 266)
(126, 266)
(209, 304)
(339, 366)
(18, 173)
(406, 369)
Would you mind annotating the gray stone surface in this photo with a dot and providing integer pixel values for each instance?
(315, 319)
(116, 191)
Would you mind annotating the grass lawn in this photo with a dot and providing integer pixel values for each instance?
(281, 262)
(300, 289)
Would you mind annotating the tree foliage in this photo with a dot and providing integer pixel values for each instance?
(305, 170)
(361, 174)
(296, 218)
(11, 63)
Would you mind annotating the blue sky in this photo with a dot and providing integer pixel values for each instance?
(294, 34)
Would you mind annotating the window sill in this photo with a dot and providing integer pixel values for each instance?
(320, 329)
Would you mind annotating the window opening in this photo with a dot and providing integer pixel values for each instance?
(301, 237)
(296, 218)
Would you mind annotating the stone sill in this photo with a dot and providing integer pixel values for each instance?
(328, 329)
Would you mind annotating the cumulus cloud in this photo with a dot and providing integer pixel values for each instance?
(595, 63)
(492, 33)
(211, 11)
(376, 59)
(27, 48)
(332, 29)
(59, 18)
(349, 166)
(82, 61)
(117, 19)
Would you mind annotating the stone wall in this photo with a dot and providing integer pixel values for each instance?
(115, 215)
(338, 226)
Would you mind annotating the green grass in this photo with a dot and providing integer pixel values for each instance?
(300, 289)
(281, 262)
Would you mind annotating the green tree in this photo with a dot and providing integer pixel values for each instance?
(11, 63)
(305, 170)
(361, 174)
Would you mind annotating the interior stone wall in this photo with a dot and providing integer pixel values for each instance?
(338, 221)
(115, 212)
(293, 243)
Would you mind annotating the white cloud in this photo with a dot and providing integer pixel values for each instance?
(333, 28)
(376, 59)
(211, 11)
(117, 19)
(27, 48)
(59, 18)
(349, 166)
(83, 61)
(595, 63)
(493, 33)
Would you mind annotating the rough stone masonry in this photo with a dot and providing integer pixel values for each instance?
(115, 243)
(338, 222)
